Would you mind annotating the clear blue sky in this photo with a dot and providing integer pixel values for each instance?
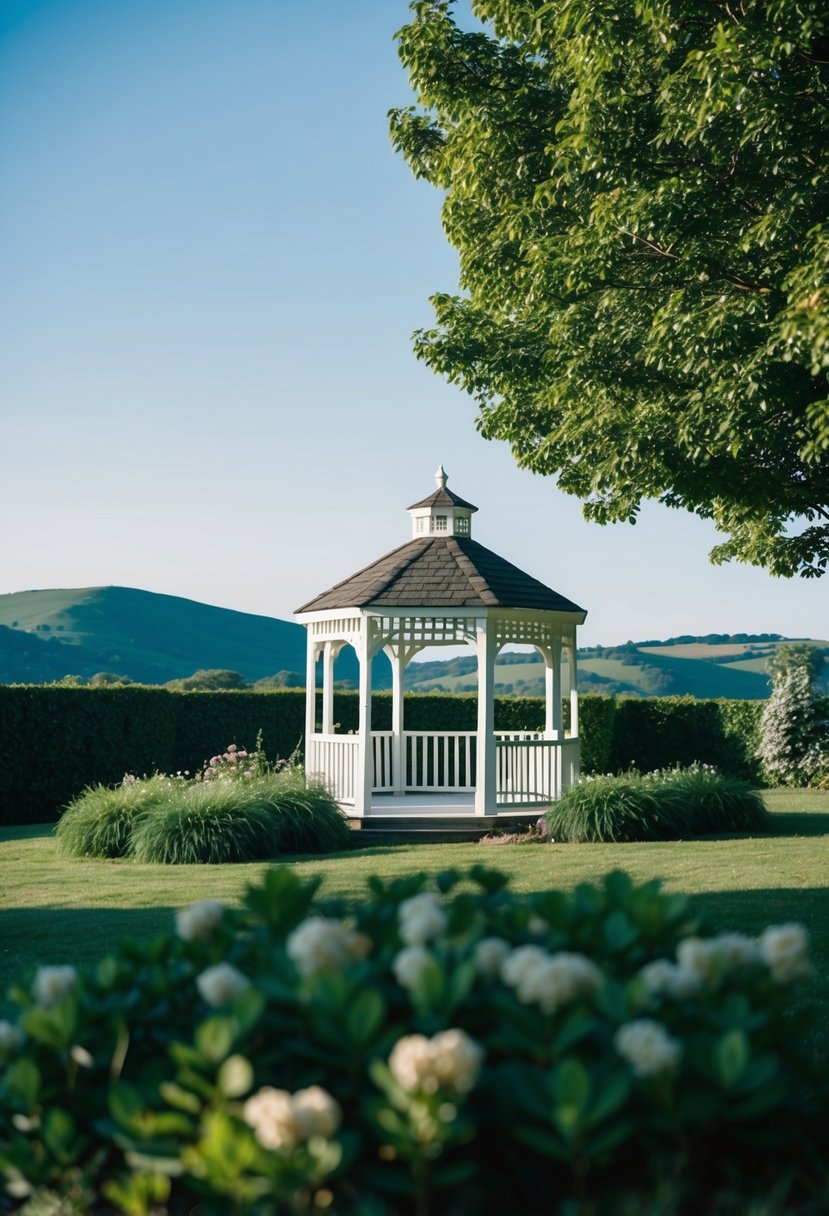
(211, 263)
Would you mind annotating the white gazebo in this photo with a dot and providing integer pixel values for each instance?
(441, 588)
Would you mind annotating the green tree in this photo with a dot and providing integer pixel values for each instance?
(209, 680)
(639, 197)
(794, 655)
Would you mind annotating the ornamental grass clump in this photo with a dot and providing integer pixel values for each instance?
(671, 804)
(451, 1049)
(100, 822)
(238, 809)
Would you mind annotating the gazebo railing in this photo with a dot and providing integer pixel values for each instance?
(334, 758)
(529, 769)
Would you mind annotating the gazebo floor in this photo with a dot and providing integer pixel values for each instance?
(433, 819)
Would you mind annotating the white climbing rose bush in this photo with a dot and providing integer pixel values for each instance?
(447, 1047)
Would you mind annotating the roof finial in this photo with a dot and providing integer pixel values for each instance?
(440, 477)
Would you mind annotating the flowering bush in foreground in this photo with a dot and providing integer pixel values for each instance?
(668, 804)
(449, 1050)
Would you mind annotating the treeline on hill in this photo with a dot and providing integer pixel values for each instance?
(59, 740)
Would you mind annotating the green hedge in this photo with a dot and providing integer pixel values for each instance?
(55, 741)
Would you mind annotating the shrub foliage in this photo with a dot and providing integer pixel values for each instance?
(666, 805)
(453, 1050)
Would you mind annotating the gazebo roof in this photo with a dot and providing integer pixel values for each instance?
(441, 572)
(442, 498)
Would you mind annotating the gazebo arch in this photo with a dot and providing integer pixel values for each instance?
(441, 588)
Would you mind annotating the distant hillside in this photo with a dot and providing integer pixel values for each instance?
(140, 634)
(152, 638)
(687, 666)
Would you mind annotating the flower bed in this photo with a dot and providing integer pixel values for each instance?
(452, 1050)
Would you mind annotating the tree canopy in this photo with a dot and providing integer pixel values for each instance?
(639, 197)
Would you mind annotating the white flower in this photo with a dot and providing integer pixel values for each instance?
(697, 956)
(316, 1113)
(10, 1038)
(221, 984)
(784, 950)
(421, 918)
(198, 922)
(270, 1113)
(520, 962)
(53, 983)
(322, 944)
(736, 949)
(451, 1059)
(538, 925)
(647, 1047)
(664, 978)
(410, 965)
(411, 1063)
(490, 954)
(549, 980)
(457, 1059)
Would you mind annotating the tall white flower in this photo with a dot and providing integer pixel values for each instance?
(785, 951)
(270, 1113)
(199, 921)
(410, 966)
(457, 1060)
(449, 1060)
(411, 1063)
(221, 984)
(490, 953)
(699, 956)
(421, 918)
(549, 980)
(736, 950)
(322, 943)
(664, 978)
(316, 1112)
(647, 1047)
(51, 984)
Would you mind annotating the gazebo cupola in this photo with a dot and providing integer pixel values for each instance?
(442, 513)
(441, 588)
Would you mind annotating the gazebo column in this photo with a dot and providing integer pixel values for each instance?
(485, 785)
(330, 651)
(398, 657)
(310, 697)
(552, 688)
(364, 775)
(574, 688)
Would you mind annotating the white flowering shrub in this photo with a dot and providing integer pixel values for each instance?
(794, 735)
(455, 1049)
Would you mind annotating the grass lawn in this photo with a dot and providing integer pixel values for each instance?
(55, 909)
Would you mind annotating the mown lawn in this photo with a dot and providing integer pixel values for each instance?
(57, 910)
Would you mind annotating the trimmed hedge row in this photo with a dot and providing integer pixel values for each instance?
(55, 741)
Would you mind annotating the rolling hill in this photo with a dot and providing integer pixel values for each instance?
(140, 634)
(153, 638)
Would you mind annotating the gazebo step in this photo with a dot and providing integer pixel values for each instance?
(423, 829)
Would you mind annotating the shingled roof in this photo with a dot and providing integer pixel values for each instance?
(442, 498)
(441, 572)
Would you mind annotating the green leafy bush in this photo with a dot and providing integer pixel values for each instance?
(453, 1050)
(672, 804)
